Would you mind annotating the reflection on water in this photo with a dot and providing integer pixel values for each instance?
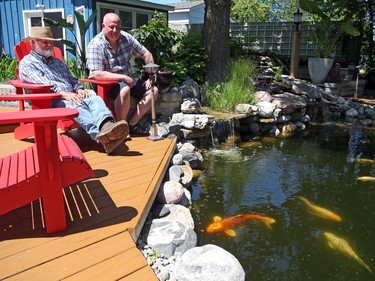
(267, 179)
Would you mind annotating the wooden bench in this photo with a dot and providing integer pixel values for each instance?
(43, 169)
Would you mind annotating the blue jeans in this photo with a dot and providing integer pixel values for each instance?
(92, 112)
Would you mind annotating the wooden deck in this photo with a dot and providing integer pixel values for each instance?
(105, 217)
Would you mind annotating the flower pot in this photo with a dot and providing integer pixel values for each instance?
(164, 79)
(319, 68)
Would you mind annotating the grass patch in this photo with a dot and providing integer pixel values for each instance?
(236, 90)
(7, 68)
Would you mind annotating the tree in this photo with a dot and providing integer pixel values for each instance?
(216, 39)
(371, 9)
(249, 11)
(263, 10)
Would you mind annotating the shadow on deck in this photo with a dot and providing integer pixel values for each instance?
(105, 216)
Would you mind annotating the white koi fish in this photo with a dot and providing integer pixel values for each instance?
(363, 161)
(343, 246)
(319, 211)
(366, 178)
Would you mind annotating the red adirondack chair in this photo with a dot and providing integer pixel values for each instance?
(25, 130)
(43, 169)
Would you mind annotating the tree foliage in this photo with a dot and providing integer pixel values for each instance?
(331, 22)
(249, 10)
(183, 55)
(263, 10)
(162, 41)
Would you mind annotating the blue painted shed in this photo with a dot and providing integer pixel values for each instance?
(18, 16)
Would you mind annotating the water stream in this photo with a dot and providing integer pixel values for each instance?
(266, 176)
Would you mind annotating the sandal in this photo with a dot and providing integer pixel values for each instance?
(135, 130)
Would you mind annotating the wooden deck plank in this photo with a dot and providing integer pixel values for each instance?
(127, 262)
(108, 259)
(144, 274)
(108, 214)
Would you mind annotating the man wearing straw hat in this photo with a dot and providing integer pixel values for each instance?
(94, 117)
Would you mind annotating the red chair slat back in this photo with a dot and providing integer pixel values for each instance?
(23, 48)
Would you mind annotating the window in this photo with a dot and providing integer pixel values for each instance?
(126, 20)
(141, 19)
(35, 18)
(131, 17)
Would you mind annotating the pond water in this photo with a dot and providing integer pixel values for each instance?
(267, 176)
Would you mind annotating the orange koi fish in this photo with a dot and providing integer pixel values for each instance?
(226, 224)
(366, 178)
(319, 211)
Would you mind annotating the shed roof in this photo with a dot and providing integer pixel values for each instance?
(186, 4)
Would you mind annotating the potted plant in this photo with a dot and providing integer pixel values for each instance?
(325, 35)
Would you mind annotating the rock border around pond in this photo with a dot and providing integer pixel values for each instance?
(168, 240)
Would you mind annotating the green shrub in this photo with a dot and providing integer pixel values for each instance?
(183, 55)
(162, 41)
(76, 71)
(190, 60)
(7, 68)
(238, 89)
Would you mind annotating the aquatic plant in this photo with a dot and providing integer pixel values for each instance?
(237, 89)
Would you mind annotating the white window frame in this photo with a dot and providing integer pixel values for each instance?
(118, 8)
(28, 14)
(80, 10)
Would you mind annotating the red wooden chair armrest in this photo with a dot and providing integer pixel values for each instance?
(41, 96)
(103, 87)
(39, 101)
(34, 88)
(41, 115)
(100, 82)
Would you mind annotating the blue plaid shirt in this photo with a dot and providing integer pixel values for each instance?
(36, 69)
(101, 56)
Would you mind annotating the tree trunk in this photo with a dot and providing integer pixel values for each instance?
(371, 32)
(216, 39)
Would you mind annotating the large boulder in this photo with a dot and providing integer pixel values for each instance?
(171, 238)
(208, 263)
(288, 102)
(170, 192)
(190, 89)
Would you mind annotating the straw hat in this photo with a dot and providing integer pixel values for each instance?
(42, 33)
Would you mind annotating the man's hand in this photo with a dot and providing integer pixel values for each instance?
(84, 93)
(129, 81)
(73, 98)
(148, 84)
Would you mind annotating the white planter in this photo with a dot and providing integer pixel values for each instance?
(319, 68)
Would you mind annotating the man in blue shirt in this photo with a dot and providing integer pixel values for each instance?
(94, 117)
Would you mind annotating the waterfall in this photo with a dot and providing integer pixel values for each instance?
(222, 130)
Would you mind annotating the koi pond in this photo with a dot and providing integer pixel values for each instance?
(270, 177)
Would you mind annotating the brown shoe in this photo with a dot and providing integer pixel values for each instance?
(113, 131)
(110, 146)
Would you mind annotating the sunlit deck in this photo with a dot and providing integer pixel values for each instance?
(105, 216)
